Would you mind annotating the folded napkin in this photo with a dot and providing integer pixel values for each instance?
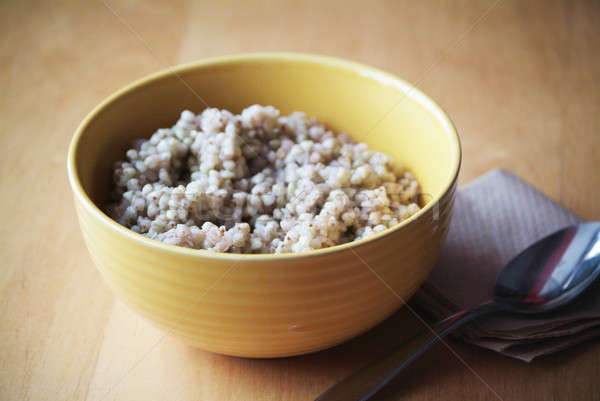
(495, 217)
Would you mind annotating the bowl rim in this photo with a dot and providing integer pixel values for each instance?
(376, 74)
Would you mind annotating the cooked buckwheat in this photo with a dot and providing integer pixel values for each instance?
(258, 182)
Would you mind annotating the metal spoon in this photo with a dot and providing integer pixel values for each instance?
(545, 276)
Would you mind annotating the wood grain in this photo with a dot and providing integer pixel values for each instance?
(519, 78)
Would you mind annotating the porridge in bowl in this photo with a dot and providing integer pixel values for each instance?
(258, 182)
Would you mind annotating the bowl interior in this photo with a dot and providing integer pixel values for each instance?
(371, 106)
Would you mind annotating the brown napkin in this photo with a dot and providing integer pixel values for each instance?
(495, 217)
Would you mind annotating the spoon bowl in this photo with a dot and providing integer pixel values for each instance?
(551, 272)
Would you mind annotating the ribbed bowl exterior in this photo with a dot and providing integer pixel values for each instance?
(270, 305)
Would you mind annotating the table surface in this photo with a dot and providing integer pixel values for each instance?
(519, 79)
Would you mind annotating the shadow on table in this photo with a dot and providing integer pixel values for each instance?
(320, 370)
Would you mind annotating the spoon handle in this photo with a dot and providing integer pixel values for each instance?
(367, 381)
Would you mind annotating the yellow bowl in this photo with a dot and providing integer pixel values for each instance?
(270, 305)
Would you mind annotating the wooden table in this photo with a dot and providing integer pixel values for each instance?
(520, 80)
